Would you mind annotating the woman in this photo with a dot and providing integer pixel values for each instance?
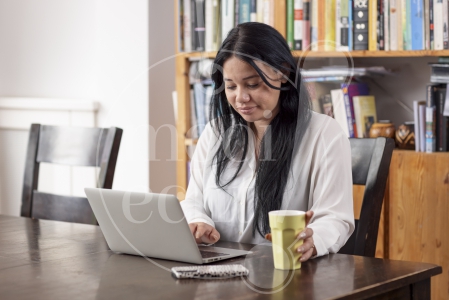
(266, 150)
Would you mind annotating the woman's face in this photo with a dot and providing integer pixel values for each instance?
(248, 94)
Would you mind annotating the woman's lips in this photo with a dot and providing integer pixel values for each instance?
(247, 110)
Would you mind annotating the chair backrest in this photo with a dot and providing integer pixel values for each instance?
(370, 165)
(72, 146)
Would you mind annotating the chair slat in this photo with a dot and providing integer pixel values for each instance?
(62, 208)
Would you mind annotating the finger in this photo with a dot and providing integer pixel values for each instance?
(306, 246)
(214, 235)
(202, 230)
(192, 227)
(305, 256)
(268, 237)
(309, 215)
(306, 233)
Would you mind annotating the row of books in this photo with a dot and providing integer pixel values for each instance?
(345, 25)
(350, 104)
(205, 23)
(322, 25)
(431, 124)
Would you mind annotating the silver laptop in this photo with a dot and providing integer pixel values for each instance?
(150, 225)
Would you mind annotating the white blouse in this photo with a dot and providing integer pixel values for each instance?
(320, 181)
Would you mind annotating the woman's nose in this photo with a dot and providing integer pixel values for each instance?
(242, 96)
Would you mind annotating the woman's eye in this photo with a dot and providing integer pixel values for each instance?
(252, 86)
(230, 87)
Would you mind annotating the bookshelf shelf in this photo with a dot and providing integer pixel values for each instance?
(190, 142)
(326, 54)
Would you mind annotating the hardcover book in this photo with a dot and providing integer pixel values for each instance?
(365, 114)
(360, 18)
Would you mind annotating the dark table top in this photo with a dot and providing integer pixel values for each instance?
(55, 260)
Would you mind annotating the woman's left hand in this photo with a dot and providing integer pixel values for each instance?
(308, 247)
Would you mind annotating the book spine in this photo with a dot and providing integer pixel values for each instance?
(306, 25)
(445, 126)
(360, 16)
(227, 12)
(426, 25)
(244, 11)
(314, 25)
(216, 37)
(416, 120)
(404, 24)
(200, 25)
(399, 23)
(321, 25)
(417, 23)
(338, 24)
(350, 26)
(236, 13)
(408, 25)
(430, 119)
(290, 16)
(187, 24)
(298, 25)
(393, 25)
(430, 129)
(439, 105)
(438, 24)
(445, 24)
(431, 25)
(209, 24)
(372, 24)
(380, 25)
(344, 23)
(253, 11)
(330, 25)
(349, 113)
(387, 24)
(260, 10)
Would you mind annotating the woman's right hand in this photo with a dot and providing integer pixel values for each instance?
(204, 233)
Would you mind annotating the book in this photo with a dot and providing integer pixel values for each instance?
(386, 8)
(253, 11)
(399, 24)
(329, 23)
(430, 128)
(268, 12)
(236, 12)
(342, 18)
(187, 25)
(426, 25)
(339, 110)
(393, 32)
(193, 130)
(360, 20)
(445, 24)
(321, 24)
(314, 25)
(326, 104)
(306, 24)
(365, 114)
(199, 21)
(407, 25)
(244, 11)
(438, 25)
(200, 106)
(431, 32)
(212, 35)
(416, 116)
(349, 91)
(260, 10)
(417, 25)
(350, 26)
(227, 17)
(290, 20)
(372, 25)
(441, 122)
(422, 127)
(380, 25)
(298, 25)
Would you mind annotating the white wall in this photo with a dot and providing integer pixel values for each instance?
(82, 49)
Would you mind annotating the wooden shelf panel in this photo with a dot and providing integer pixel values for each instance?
(418, 53)
(190, 142)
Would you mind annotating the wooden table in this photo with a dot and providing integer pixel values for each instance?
(42, 259)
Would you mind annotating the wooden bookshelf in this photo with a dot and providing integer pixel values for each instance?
(326, 54)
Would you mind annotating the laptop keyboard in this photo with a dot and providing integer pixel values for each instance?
(209, 254)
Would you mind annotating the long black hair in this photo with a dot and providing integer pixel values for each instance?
(252, 42)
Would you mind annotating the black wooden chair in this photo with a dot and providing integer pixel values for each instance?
(73, 146)
(370, 165)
